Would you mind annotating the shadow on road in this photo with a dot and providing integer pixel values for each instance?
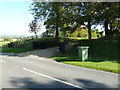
(91, 84)
(30, 84)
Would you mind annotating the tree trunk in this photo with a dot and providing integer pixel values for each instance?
(106, 28)
(89, 30)
(111, 29)
(56, 34)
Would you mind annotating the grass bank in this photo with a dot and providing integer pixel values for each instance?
(6, 49)
(13, 50)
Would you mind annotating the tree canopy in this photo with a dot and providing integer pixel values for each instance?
(68, 16)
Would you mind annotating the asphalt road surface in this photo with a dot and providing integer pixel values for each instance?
(34, 72)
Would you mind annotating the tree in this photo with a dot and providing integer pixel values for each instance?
(48, 12)
(90, 14)
(68, 16)
(107, 14)
(55, 18)
(33, 27)
(56, 15)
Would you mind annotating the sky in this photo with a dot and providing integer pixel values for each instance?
(15, 17)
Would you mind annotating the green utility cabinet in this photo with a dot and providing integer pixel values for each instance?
(83, 52)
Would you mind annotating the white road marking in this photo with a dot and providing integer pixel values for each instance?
(53, 78)
(1, 60)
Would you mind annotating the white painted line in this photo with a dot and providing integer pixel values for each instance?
(1, 60)
(53, 78)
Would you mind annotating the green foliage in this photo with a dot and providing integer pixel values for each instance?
(68, 16)
(74, 34)
(94, 33)
(80, 32)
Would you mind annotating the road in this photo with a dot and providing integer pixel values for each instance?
(34, 72)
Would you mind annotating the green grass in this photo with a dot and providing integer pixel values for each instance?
(110, 66)
(103, 55)
(11, 50)
(14, 50)
(105, 65)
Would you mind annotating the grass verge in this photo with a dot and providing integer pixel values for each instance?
(103, 55)
(11, 50)
(14, 50)
(111, 66)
